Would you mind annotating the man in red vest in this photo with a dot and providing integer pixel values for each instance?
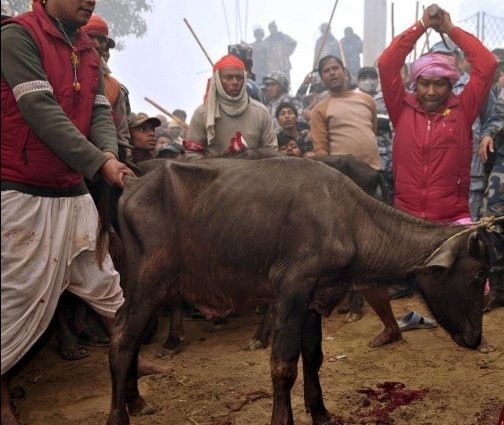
(56, 128)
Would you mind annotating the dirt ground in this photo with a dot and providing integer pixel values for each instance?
(214, 382)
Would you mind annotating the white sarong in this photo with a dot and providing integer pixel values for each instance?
(47, 247)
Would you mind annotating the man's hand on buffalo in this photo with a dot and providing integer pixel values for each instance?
(113, 171)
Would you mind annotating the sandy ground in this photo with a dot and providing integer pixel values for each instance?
(214, 382)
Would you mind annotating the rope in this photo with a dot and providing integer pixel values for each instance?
(488, 222)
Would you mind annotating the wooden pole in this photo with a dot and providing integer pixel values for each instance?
(325, 36)
(416, 20)
(164, 111)
(197, 40)
(392, 19)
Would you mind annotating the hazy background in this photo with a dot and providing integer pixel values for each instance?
(168, 66)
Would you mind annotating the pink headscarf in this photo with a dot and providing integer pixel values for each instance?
(434, 65)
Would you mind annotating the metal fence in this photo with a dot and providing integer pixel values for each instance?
(488, 28)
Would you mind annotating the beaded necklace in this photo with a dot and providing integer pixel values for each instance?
(74, 58)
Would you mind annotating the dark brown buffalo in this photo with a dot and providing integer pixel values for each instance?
(221, 232)
(367, 178)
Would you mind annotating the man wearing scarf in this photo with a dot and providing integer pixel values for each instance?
(229, 120)
(432, 151)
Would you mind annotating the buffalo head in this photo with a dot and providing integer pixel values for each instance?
(453, 283)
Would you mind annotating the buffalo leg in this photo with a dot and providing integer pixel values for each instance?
(289, 323)
(173, 343)
(131, 320)
(311, 350)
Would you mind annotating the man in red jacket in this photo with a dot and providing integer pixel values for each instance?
(433, 140)
(432, 143)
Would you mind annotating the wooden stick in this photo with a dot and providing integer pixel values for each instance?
(325, 36)
(392, 19)
(416, 20)
(197, 40)
(164, 111)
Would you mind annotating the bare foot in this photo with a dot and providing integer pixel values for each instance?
(485, 347)
(146, 367)
(388, 336)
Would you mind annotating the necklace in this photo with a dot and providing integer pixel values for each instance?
(74, 58)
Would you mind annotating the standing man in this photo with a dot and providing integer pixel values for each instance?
(352, 48)
(331, 44)
(279, 48)
(345, 121)
(433, 140)
(56, 130)
(491, 150)
(229, 120)
(259, 54)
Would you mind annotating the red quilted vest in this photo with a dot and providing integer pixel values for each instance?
(24, 157)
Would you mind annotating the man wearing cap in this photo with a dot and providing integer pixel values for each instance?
(432, 141)
(97, 30)
(276, 91)
(143, 136)
(228, 120)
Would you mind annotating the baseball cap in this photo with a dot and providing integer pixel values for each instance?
(135, 120)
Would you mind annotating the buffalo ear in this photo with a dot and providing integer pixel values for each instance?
(476, 245)
(444, 256)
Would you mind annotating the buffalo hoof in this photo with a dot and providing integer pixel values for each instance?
(117, 417)
(167, 353)
(328, 420)
(139, 407)
(254, 344)
(485, 347)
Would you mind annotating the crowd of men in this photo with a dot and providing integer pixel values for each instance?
(435, 129)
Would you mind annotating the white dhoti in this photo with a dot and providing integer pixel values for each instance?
(48, 246)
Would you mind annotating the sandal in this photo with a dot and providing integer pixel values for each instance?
(69, 348)
(414, 320)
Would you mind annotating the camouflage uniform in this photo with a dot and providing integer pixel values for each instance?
(384, 138)
(478, 175)
(494, 128)
(280, 78)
